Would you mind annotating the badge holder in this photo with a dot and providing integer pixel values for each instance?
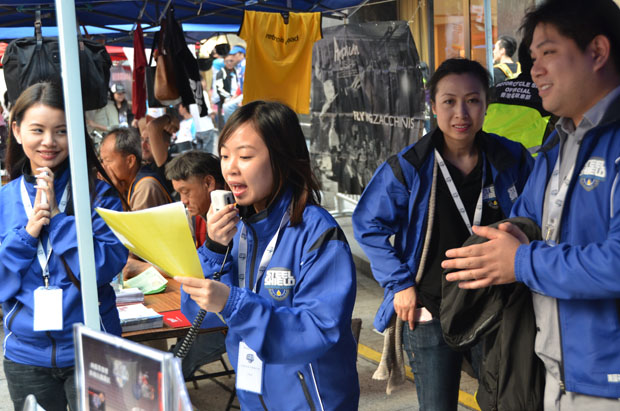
(47, 308)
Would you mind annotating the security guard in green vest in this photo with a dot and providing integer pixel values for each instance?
(516, 110)
(504, 67)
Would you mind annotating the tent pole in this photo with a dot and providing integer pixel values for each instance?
(488, 37)
(72, 90)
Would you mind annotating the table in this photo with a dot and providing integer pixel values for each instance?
(169, 300)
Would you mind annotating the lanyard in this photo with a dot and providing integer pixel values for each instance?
(557, 196)
(242, 253)
(43, 259)
(455, 194)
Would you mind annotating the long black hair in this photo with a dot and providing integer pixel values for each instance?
(47, 94)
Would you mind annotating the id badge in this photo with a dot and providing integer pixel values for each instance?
(249, 370)
(47, 309)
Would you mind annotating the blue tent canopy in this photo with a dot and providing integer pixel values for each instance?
(119, 34)
(116, 18)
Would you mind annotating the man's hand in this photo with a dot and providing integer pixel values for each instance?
(404, 305)
(489, 263)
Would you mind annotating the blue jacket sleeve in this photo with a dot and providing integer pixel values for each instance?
(380, 213)
(18, 252)
(567, 271)
(110, 254)
(323, 304)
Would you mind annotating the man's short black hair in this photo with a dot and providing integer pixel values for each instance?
(509, 44)
(195, 163)
(127, 141)
(578, 20)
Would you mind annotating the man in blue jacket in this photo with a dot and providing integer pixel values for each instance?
(572, 194)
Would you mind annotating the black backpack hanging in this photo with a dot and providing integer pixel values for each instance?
(31, 60)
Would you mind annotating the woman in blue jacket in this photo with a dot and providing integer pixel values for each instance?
(428, 197)
(39, 253)
(289, 279)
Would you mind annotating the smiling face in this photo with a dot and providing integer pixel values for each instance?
(246, 167)
(195, 193)
(460, 104)
(561, 72)
(42, 134)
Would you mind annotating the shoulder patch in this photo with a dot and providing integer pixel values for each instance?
(333, 233)
(394, 164)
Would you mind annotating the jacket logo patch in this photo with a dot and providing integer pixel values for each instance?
(592, 173)
(488, 196)
(279, 282)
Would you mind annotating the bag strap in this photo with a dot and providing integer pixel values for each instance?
(37, 28)
(155, 38)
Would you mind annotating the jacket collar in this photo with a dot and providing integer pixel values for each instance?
(612, 114)
(267, 221)
(498, 155)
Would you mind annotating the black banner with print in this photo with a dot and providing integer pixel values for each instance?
(367, 101)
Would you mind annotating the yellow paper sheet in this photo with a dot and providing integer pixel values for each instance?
(160, 235)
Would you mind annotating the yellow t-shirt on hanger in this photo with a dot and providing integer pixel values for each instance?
(279, 57)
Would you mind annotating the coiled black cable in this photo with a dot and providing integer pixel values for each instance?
(181, 349)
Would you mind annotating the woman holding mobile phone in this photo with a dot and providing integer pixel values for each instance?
(39, 268)
(288, 285)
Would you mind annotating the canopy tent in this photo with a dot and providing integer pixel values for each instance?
(118, 34)
(102, 13)
(116, 18)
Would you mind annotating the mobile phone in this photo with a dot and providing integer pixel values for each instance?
(221, 198)
(43, 183)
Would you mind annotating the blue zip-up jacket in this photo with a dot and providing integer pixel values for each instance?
(20, 273)
(581, 271)
(299, 319)
(395, 203)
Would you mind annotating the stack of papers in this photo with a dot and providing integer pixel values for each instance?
(129, 296)
(150, 281)
(168, 246)
(135, 317)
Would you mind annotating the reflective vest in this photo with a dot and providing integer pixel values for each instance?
(506, 70)
(517, 123)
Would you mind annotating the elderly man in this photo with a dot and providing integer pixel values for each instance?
(121, 157)
(194, 175)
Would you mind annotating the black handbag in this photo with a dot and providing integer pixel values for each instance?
(31, 60)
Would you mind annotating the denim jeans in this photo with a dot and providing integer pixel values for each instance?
(436, 367)
(53, 387)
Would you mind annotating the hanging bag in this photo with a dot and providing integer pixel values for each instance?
(35, 59)
(166, 90)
